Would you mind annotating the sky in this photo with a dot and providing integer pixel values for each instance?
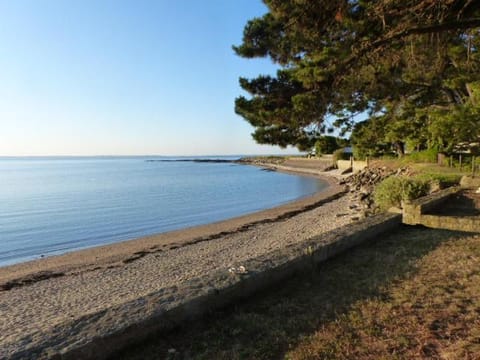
(118, 77)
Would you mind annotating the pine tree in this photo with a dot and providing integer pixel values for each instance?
(409, 62)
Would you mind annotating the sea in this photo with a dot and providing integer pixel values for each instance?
(53, 205)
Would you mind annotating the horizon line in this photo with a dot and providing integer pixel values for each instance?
(144, 155)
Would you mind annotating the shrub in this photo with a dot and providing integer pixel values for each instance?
(340, 154)
(424, 156)
(443, 180)
(391, 191)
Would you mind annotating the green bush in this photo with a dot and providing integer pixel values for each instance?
(378, 151)
(391, 191)
(443, 180)
(424, 156)
(340, 154)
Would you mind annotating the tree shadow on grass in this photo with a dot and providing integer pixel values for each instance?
(276, 320)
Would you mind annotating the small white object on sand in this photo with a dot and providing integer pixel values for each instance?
(240, 270)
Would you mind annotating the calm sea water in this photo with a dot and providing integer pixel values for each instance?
(53, 205)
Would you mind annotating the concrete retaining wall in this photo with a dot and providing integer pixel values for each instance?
(458, 223)
(470, 182)
(100, 335)
(355, 165)
(413, 211)
(359, 165)
(416, 213)
(296, 170)
(344, 164)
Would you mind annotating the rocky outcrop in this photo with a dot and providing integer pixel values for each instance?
(362, 184)
(260, 160)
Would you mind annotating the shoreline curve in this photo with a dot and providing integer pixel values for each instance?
(123, 252)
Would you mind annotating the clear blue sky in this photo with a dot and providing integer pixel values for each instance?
(111, 77)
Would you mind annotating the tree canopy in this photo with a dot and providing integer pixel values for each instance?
(412, 65)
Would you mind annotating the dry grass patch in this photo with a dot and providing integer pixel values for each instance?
(413, 294)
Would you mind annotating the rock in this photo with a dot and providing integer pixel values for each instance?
(435, 186)
(470, 182)
(395, 210)
(362, 184)
(239, 270)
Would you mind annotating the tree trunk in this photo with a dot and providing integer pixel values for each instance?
(399, 148)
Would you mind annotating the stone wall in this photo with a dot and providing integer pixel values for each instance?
(344, 164)
(359, 165)
(417, 213)
(458, 223)
(470, 182)
(414, 210)
(355, 165)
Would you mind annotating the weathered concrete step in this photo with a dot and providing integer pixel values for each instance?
(445, 210)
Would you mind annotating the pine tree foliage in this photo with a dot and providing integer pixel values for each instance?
(410, 64)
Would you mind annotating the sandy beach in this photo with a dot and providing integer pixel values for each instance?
(39, 295)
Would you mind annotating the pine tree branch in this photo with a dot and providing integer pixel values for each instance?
(389, 38)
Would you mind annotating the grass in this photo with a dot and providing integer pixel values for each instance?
(413, 294)
(428, 168)
(428, 172)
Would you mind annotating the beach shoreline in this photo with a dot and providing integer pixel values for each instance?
(91, 258)
(40, 298)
